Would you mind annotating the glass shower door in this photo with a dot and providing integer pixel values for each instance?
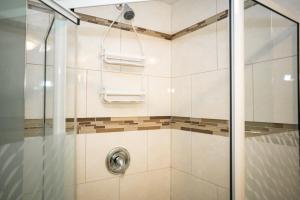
(271, 91)
(59, 139)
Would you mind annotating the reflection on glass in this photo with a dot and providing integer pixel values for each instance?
(272, 139)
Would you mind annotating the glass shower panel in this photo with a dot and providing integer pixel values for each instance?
(12, 69)
(59, 141)
(49, 161)
(271, 91)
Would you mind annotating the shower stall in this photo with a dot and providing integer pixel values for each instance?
(149, 100)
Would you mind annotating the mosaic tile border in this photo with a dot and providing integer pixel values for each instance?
(123, 26)
(34, 127)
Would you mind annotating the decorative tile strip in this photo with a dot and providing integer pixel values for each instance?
(122, 26)
(190, 29)
(219, 127)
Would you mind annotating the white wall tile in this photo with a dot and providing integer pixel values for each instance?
(210, 95)
(181, 150)
(187, 187)
(159, 91)
(154, 185)
(258, 40)
(100, 190)
(223, 194)
(210, 158)
(284, 36)
(157, 53)
(223, 43)
(76, 80)
(195, 52)
(136, 143)
(80, 158)
(89, 44)
(275, 91)
(95, 105)
(181, 97)
(268, 35)
(249, 93)
(97, 147)
(222, 5)
(158, 56)
(189, 12)
(153, 15)
(37, 27)
(159, 149)
(34, 92)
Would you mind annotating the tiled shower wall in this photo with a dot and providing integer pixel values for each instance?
(184, 77)
(200, 79)
(149, 174)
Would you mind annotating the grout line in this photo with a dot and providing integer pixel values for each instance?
(271, 60)
(86, 93)
(252, 77)
(204, 180)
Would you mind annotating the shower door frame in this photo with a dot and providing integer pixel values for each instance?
(237, 113)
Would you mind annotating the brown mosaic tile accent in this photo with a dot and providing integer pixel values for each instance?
(218, 127)
(123, 26)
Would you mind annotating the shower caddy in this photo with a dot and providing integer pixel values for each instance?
(121, 95)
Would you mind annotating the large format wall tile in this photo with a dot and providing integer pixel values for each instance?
(159, 149)
(159, 91)
(249, 93)
(98, 145)
(37, 27)
(187, 187)
(181, 97)
(158, 56)
(181, 150)
(153, 185)
(80, 157)
(268, 35)
(136, 143)
(210, 158)
(189, 12)
(34, 92)
(222, 5)
(284, 36)
(195, 52)
(157, 16)
(76, 86)
(89, 39)
(210, 95)
(100, 190)
(95, 105)
(258, 41)
(275, 91)
(223, 43)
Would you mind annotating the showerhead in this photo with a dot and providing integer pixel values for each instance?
(128, 12)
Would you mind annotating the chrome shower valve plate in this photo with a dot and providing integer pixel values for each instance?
(118, 160)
